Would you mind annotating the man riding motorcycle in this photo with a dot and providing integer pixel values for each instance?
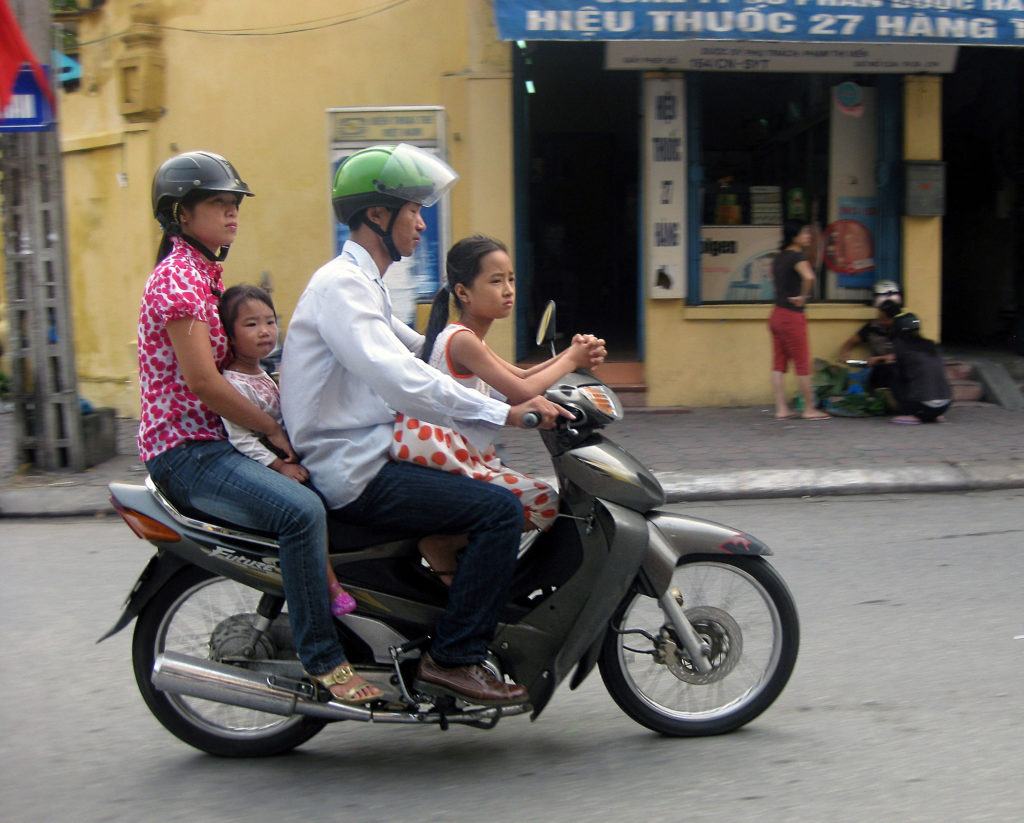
(349, 366)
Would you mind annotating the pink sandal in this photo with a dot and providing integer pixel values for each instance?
(341, 601)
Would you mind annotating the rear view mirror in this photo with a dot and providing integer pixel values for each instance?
(546, 326)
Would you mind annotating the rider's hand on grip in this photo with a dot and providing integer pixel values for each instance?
(522, 415)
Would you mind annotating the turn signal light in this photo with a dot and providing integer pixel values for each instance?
(599, 397)
(146, 527)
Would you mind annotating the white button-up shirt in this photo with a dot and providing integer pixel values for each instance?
(349, 365)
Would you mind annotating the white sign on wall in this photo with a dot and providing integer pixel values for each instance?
(736, 263)
(665, 187)
(761, 57)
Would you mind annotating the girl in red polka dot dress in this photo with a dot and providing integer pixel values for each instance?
(481, 280)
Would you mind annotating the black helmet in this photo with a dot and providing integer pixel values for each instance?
(191, 171)
(906, 323)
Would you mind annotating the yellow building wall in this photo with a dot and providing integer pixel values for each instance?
(261, 101)
(922, 236)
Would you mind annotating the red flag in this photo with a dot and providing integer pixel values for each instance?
(14, 51)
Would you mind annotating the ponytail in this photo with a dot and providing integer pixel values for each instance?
(164, 249)
(436, 323)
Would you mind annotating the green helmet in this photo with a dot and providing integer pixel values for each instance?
(389, 176)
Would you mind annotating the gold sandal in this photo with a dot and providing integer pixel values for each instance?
(341, 676)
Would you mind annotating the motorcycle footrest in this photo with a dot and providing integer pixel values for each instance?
(304, 689)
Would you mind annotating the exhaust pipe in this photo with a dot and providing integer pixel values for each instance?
(263, 692)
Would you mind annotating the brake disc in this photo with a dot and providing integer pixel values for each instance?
(718, 630)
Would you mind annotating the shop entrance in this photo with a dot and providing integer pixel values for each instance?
(983, 230)
(577, 170)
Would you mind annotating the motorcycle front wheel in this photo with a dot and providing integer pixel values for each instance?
(743, 610)
(203, 615)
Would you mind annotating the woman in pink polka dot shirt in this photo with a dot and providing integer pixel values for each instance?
(182, 351)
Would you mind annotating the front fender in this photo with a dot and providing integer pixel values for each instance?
(673, 535)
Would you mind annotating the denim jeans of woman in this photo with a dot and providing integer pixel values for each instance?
(429, 501)
(212, 477)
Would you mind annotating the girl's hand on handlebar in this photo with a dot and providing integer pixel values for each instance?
(547, 411)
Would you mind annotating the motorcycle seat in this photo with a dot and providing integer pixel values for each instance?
(346, 537)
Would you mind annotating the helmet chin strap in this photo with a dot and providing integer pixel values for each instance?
(385, 235)
(219, 257)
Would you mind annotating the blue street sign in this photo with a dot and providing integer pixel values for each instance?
(28, 109)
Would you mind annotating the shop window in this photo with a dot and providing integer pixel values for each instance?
(786, 146)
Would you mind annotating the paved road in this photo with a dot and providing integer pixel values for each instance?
(904, 704)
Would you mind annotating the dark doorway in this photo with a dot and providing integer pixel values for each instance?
(983, 230)
(577, 139)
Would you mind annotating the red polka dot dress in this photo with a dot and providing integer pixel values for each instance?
(442, 448)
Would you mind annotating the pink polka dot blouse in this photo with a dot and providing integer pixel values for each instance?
(184, 284)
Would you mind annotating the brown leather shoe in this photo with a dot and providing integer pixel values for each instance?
(471, 682)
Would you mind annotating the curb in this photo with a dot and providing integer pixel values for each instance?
(767, 483)
(680, 487)
(50, 501)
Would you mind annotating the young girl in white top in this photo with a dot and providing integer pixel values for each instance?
(481, 280)
(248, 316)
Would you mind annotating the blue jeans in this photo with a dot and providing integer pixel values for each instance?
(212, 477)
(429, 501)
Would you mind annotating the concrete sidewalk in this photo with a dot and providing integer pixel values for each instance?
(699, 454)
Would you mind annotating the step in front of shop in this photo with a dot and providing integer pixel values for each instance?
(626, 379)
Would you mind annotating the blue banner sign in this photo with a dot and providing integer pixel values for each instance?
(954, 22)
(28, 109)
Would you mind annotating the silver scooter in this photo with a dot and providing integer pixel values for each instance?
(692, 629)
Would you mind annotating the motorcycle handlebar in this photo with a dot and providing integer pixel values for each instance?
(531, 420)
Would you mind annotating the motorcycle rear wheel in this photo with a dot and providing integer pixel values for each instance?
(743, 609)
(182, 617)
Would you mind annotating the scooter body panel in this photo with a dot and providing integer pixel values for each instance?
(610, 473)
(541, 649)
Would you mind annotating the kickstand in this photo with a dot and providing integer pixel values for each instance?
(397, 654)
